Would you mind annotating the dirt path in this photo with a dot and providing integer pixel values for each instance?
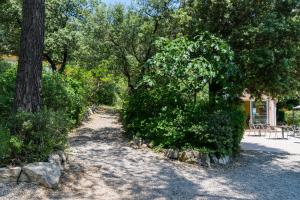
(104, 166)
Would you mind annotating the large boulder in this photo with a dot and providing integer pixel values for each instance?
(8, 175)
(45, 173)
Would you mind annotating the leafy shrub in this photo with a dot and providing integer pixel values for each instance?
(7, 88)
(60, 93)
(99, 84)
(172, 106)
(34, 136)
(291, 118)
(218, 130)
(8, 145)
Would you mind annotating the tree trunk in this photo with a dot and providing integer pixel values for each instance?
(64, 62)
(212, 87)
(51, 62)
(29, 72)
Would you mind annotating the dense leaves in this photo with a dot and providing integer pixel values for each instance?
(265, 36)
(171, 106)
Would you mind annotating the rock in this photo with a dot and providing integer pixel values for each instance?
(144, 146)
(224, 160)
(204, 160)
(172, 153)
(23, 178)
(215, 159)
(136, 143)
(57, 160)
(94, 108)
(9, 174)
(63, 156)
(89, 112)
(44, 173)
(150, 145)
(188, 156)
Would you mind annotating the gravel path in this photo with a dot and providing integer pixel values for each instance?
(103, 166)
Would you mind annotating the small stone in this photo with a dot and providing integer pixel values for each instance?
(9, 174)
(172, 153)
(150, 145)
(90, 112)
(189, 156)
(44, 173)
(137, 142)
(224, 160)
(215, 159)
(144, 146)
(63, 156)
(204, 160)
(57, 160)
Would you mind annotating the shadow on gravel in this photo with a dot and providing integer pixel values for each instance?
(258, 147)
(265, 175)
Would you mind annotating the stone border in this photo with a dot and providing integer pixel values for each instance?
(44, 173)
(188, 156)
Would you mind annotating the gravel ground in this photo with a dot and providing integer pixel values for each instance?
(103, 166)
(290, 145)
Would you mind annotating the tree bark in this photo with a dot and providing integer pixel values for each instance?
(212, 87)
(64, 62)
(51, 62)
(29, 74)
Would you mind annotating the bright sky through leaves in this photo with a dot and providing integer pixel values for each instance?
(127, 2)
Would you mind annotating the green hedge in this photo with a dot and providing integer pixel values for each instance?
(219, 130)
(288, 117)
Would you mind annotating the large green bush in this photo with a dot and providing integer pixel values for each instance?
(292, 118)
(172, 106)
(168, 124)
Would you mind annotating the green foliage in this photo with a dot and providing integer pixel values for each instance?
(33, 136)
(154, 117)
(292, 118)
(62, 93)
(8, 145)
(264, 35)
(99, 84)
(168, 107)
(7, 87)
(36, 135)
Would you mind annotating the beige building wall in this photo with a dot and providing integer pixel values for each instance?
(271, 108)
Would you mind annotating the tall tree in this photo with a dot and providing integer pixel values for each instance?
(31, 55)
(264, 35)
